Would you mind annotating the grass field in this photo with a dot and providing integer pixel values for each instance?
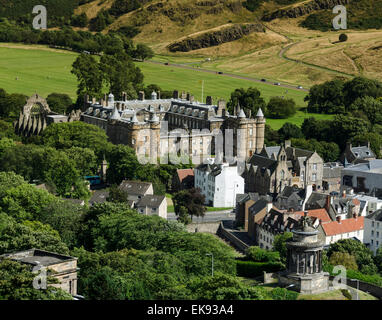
(43, 70)
(38, 69)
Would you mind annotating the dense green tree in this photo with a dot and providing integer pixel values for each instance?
(326, 98)
(191, 200)
(329, 151)
(17, 284)
(80, 20)
(289, 130)
(117, 194)
(122, 164)
(84, 159)
(375, 140)
(19, 236)
(371, 107)
(257, 254)
(76, 134)
(5, 143)
(143, 52)
(250, 100)
(363, 255)
(89, 75)
(361, 87)
(66, 218)
(343, 259)
(60, 103)
(279, 244)
(378, 259)
(280, 108)
(25, 201)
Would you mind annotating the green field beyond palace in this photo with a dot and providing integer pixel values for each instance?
(30, 69)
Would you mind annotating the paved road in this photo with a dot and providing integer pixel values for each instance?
(213, 216)
(230, 75)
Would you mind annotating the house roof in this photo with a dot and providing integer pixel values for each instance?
(135, 187)
(263, 162)
(362, 152)
(151, 201)
(376, 215)
(321, 214)
(99, 196)
(184, 173)
(36, 256)
(345, 226)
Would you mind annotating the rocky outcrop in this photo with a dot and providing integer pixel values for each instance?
(215, 38)
(306, 8)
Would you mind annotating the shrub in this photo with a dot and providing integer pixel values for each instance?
(253, 269)
(343, 37)
(257, 254)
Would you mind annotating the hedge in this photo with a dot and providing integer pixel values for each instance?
(375, 279)
(252, 269)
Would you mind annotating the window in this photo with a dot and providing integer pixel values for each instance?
(372, 224)
(314, 166)
(372, 233)
(250, 132)
(314, 177)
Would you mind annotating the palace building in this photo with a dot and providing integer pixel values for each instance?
(158, 127)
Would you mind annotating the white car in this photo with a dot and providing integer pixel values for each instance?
(299, 87)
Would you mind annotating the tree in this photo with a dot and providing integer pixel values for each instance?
(89, 75)
(16, 236)
(250, 100)
(289, 130)
(363, 255)
(76, 134)
(117, 194)
(371, 107)
(84, 159)
(280, 108)
(17, 284)
(257, 254)
(59, 102)
(378, 259)
(66, 218)
(190, 201)
(343, 37)
(326, 98)
(374, 139)
(80, 20)
(279, 244)
(361, 87)
(343, 259)
(143, 52)
(123, 164)
(6, 143)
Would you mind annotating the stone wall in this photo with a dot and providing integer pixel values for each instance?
(208, 227)
(234, 241)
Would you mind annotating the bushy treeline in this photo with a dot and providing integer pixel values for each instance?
(66, 38)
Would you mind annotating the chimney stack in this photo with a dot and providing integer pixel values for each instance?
(158, 94)
(209, 101)
(188, 96)
(175, 94)
(344, 194)
(338, 218)
(192, 99)
(328, 202)
(141, 95)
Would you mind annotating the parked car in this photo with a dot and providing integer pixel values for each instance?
(220, 72)
(299, 87)
(277, 84)
(263, 80)
(166, 63)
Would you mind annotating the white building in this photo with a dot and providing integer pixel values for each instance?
(373, 231)
(219, 183)
(352, 228)
(368, 204)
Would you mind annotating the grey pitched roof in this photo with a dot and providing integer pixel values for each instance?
(376, 215)
(135, 187)
(297, 153)
(362, 152)
(151, 201)
(272, 150)
(263, 162)
(289, 190)
(258, 206)
(99, 196)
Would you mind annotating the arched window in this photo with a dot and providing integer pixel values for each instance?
(282, 174)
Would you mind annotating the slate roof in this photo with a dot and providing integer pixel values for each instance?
(376, 215)
(272, 150)
(135, 187)
(99, 196)
(263, 162)
(289, 190)
(151, 201)
(362, 152)
(332, 170)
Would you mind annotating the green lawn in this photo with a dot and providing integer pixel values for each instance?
(37, 70)
(43, 71)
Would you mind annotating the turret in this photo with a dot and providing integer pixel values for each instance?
(260, 130)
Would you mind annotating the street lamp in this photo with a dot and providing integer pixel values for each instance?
(357, 286)
(212, 262)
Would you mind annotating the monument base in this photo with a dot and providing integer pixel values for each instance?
(305, 283)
